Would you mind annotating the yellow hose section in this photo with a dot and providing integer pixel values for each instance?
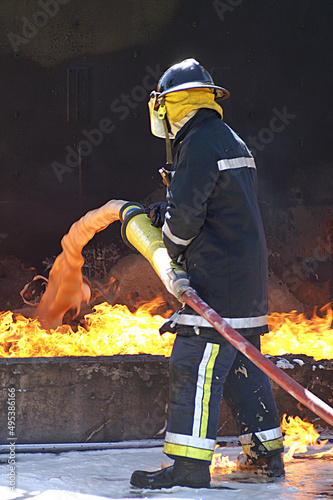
(147, 239)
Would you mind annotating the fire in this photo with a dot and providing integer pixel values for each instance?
(111, 330)
(108, 331)
(298, 435)
(221, 464)
(295, 334)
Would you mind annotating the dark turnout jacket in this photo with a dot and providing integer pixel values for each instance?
(213, 221)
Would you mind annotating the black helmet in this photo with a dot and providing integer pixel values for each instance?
(188, 74)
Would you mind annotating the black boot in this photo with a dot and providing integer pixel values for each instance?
(191, 473)
(272, 466)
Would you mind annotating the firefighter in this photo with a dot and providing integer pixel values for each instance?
(212, 225)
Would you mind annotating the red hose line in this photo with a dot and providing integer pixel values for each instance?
(306, 397)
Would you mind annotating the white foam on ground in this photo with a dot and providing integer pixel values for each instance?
(95, 475)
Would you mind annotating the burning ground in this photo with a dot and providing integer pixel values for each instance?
(111, 330)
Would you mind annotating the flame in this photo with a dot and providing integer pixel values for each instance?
(221, 464)
(295, 334)
(298, 435)
(108, 331)
(111, 330)
(328, 455)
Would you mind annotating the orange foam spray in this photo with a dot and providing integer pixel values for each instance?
(66, 289)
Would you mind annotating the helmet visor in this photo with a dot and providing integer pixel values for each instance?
(156, 122)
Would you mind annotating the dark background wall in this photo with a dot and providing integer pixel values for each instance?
(75, 80)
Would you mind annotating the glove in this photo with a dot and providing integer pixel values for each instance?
(157, 213)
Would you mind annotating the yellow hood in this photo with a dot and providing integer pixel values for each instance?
(179, 104)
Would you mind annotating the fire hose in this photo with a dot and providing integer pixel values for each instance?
(139, 234)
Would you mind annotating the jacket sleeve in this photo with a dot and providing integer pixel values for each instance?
(192, 184)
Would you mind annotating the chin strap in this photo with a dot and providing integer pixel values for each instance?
(162, 116)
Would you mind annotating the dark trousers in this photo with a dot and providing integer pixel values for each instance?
(200, 373)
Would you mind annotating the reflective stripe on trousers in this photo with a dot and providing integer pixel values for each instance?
(197, 445)
(200, 371)
(271, 440)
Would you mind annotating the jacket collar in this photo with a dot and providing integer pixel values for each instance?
(202, 115)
